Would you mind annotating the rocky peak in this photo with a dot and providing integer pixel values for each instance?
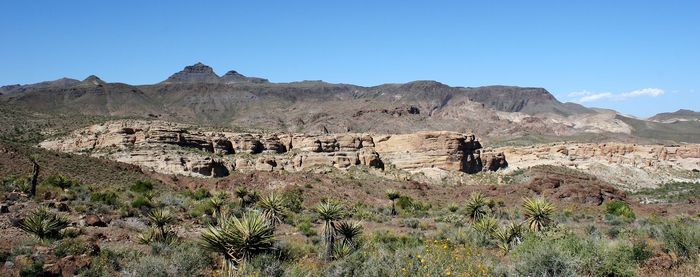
(234, 77)
(93, 80)
(196, 73)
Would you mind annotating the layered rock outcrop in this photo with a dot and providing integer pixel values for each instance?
(182, 149)
(630, 166)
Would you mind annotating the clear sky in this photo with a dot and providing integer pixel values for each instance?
(639, 57)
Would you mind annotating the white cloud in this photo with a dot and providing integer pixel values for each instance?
(588, 96)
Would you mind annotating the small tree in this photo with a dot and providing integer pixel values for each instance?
(35, 174)
(393, 195)
(329, 212)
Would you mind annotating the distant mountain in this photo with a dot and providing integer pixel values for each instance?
(677, 116)
(198, 95)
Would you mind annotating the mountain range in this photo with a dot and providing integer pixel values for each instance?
(197, 95)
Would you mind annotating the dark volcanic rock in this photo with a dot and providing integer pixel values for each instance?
(197, 73)
(235, 77)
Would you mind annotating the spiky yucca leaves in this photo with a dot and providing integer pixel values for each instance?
(152, 235)
(486, 225)
(217, 203)
(43, 224)
(538, 213)
(159, 219)
(509, 236)
(273, 208)
(392, 194)
(241, 194)
(329, 212)
(477, 206)
(350, 232)
(239, 240)
(342, 250)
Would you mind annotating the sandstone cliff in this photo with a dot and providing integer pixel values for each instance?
(183, 149)
(630, 166)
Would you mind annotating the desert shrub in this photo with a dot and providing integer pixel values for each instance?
(12, 183)
(106, 197)
(60, 181)
(306, 227)
(293, 200)
(410, 223)
(198, 194)
(641, 251)
(619, 208)
(263, 265)
(682, 238)
(189, 259)
(155, 266)
(141, 186)
(71, 246)
(569, 255)
(409, 204)
(141, 201)
(35, 269)
(432, 258)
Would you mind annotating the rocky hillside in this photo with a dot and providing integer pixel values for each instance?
(677, 116)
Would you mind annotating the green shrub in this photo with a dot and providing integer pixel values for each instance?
(71, 246)
(198, 194)
(142, 186)
(36, 269)
(619, 208)
(141, 201)
(409, 204)
(682, 238)
(305, 227)
(60, 181)
(152, 266)
(641, 251)
(293, 200)
(106, 197)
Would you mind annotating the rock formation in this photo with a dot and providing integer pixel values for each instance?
(182, 149)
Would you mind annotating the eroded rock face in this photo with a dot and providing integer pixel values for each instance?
(181, 149)
(630, 166)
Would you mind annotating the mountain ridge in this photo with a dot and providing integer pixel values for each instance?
(196, 94)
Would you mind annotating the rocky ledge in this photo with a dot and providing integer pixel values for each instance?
(184, 149)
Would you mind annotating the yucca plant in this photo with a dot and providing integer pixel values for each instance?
(350, 232)
(241, 194)
(329, 212)
(160, 218)
(508, 236)
(477, 206)
(538, 213)
(43, 224)
(152, 235)
(342, 250)
(273, 208)
(217, 203)
(392, 194)
(239, 240)
(486, 225)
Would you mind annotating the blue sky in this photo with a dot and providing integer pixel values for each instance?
(639, 57)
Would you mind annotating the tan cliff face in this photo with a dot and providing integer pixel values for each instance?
(630, 166)
(183, 149)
